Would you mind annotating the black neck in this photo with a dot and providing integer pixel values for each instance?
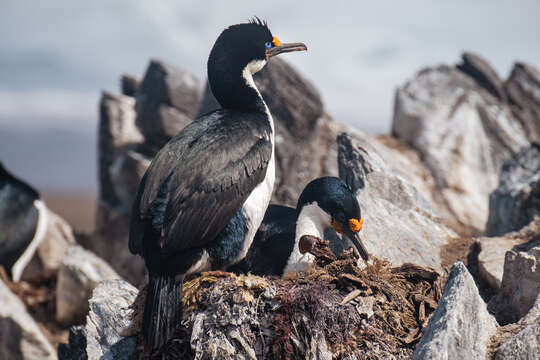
(232, 91)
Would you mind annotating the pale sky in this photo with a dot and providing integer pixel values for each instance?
(57, 55)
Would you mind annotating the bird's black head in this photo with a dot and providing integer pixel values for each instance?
(335, 198)
(240, 51)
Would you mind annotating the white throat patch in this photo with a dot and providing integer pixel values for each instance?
(312, 220)
(251, 69)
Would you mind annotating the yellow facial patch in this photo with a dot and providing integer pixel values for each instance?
(276, 41)
(356, 225)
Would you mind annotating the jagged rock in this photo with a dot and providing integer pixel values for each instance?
(20, 336)
(523, 89)
(129, 85)
(480, 70)
(109, 316)
(520, 285)
(110, 242)
(463, 134)
(400, 225)
(117, 131)
(167, 100)
(56, 242)
(517, 199)
(493, 251)
(126, 173)
(461, 327)
(79, 274)
(306, 145)
(525, 339)
(121, 166)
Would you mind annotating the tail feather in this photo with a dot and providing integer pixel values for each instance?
(162, 311)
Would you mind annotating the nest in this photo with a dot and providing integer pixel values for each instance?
(336, 310)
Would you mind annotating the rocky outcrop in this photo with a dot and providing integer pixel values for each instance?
(110, 315)
(463, 132)
(523, 89)
(520, 340)
(117, 132)
(79, 274)
(484, 75)
(131, 130)
(520, 285)
(493, 251)
(399, 224)
(167, 100)
(20, 336)
(461, 327)
(517, 199)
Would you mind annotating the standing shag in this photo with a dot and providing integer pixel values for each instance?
(282, 243)
(204, 195)
(23, 223)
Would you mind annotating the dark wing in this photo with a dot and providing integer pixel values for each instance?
(201, 178)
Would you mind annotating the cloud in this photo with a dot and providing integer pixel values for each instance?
(57, 55)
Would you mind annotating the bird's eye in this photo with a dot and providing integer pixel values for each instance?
(268, 44)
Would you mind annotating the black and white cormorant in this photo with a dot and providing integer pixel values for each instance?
(23, 223)
(278, 246)
(204, 195)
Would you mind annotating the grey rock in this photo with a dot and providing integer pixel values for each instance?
(516, 201)
(493, 251)
(117, 131)
(79, 274)
(525, 344)
(461, 327)
(167, 99)
(20, 336)
(110, 242)
(110, 315)
(109, 318)
(480, 70)
(463, 134)
(126, 173)
(121, 167)
(58, 238)
(520, 285)
(523, 89)
(399, 224)
(129, 85)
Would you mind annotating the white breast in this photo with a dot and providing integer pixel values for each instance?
(312, 220)
(255, 205)
(257, 202)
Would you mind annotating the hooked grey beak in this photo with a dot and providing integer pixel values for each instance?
(285, 48)
(357, 242)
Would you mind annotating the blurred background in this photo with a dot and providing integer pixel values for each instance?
(57, 56)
